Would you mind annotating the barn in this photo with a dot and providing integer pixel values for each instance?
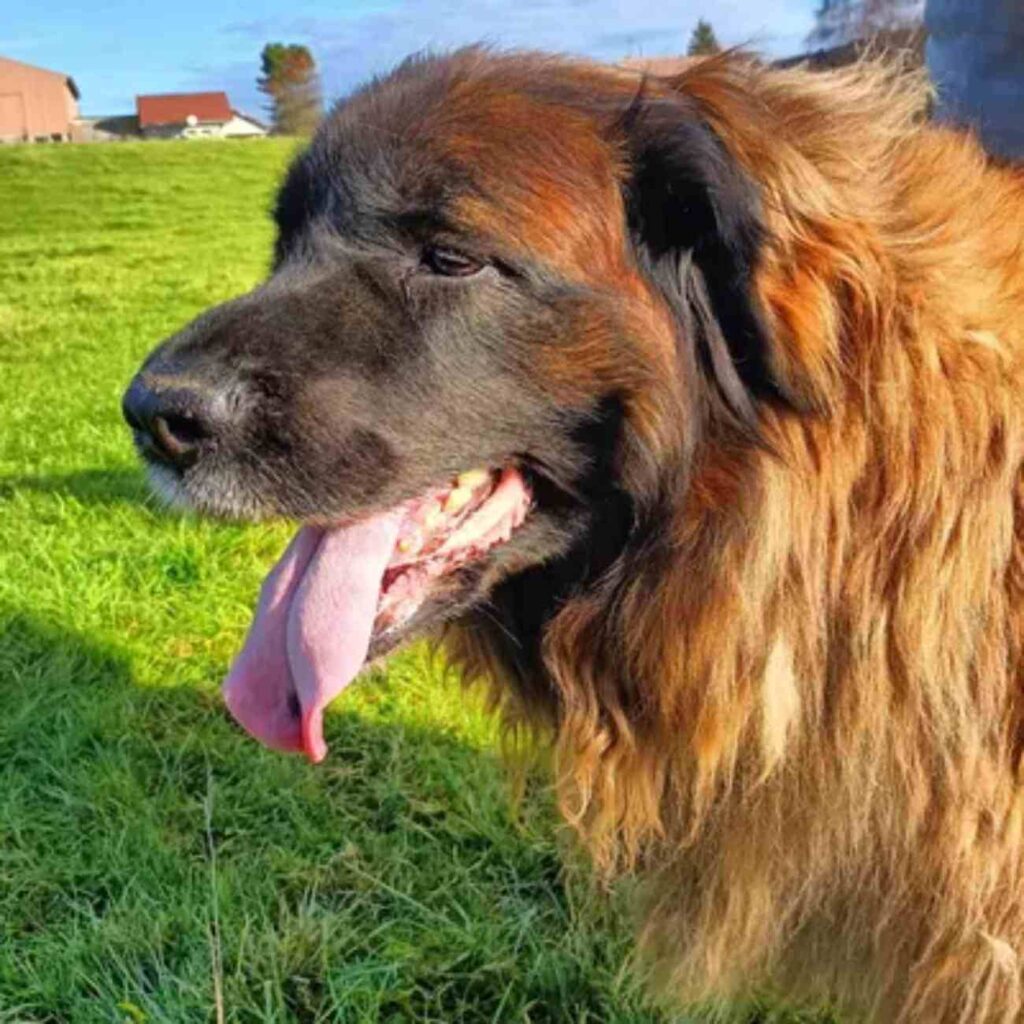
(36, 105)
(193, 115)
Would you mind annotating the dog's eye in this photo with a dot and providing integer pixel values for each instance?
(450, 262)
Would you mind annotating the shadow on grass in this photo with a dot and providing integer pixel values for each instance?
(88, 486)
(148, 847)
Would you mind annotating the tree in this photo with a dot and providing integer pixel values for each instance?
(703, 41)
(291, 83)
(842, 21)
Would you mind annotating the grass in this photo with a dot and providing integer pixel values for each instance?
(155, 864)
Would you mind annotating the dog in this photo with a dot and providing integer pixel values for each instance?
(689, 413)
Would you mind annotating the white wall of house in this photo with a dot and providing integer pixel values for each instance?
(237, 128)
(242, 127)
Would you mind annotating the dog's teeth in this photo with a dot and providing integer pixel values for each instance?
(408, 544)
(458, 500)
(472, 479)
(434, 518)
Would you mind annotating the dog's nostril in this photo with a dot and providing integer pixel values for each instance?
(178, 435)
(170, 424)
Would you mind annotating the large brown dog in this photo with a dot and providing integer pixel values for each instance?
(739, 355)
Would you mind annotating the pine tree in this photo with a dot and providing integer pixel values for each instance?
(703, 41)
(291, 83)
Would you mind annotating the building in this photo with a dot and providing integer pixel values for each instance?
(115, 128)
(193, 115)
(36, 105)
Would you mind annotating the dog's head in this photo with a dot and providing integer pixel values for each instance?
(509, 296)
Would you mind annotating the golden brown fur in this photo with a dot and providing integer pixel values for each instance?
(819, 770)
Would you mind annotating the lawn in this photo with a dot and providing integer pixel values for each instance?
(156, 864)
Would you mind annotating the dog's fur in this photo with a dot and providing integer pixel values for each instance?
(766, 333)
(795, 698)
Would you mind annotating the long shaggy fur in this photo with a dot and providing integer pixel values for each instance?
(794, 702)
(754, 339)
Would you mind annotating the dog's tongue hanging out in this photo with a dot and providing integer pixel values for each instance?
(333, 589)
(311, 632)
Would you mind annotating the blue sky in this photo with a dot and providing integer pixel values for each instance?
(117, 48)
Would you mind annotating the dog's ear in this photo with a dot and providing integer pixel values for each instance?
(695, 219)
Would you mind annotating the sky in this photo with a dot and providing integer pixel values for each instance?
(115, 49)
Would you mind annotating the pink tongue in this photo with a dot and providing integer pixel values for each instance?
(311, 632)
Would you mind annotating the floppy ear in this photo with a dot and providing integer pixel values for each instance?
(695, 218)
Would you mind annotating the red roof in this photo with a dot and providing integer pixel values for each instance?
(175, 108)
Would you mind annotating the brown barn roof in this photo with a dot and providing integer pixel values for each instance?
(175, 108)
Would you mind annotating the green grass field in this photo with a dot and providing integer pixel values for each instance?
(155, 863)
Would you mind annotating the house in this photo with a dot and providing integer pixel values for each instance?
(36, 104)
(193, 115)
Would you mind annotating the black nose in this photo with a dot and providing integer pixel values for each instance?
(171, 424)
